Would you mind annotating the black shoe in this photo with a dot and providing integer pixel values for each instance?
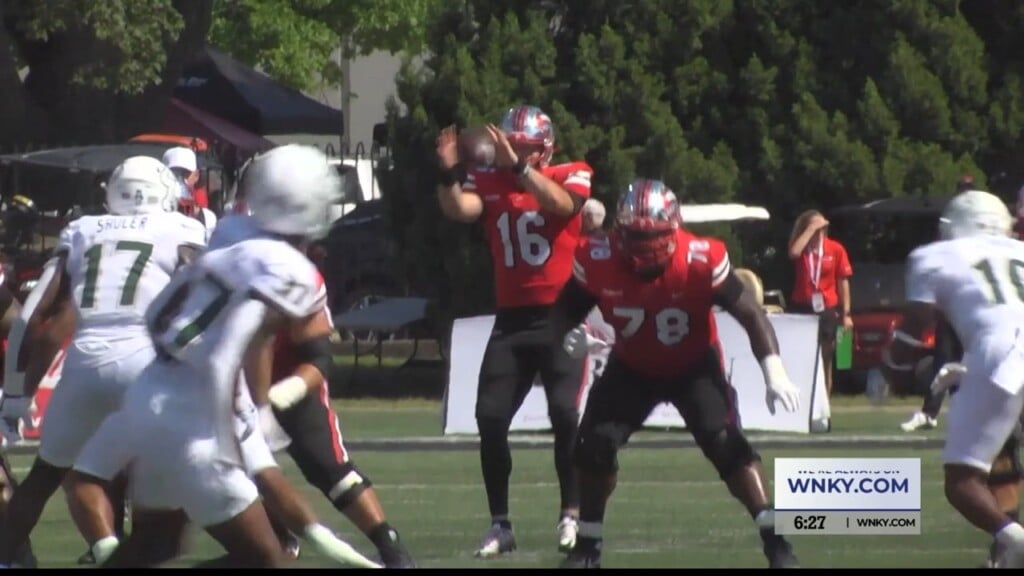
(778, 551)
(396, 556)
(586, 554)
(86, 559)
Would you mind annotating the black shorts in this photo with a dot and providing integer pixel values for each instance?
(317, 447)
(622, 399)
(828, 320)
(521, 347)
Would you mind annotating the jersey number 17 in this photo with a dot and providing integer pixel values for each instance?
(94, 255)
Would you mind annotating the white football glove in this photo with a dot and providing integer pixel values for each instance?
(948, 376)
(779, 387)
(15, 407)
(596, 345)
(575, 342)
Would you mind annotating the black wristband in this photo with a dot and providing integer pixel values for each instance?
(452, 176)
(521, 167)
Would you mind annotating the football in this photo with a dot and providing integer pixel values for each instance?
(476, 146)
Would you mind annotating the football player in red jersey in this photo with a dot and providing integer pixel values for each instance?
(318, 449)
(656, 283)
(530, 212)
(305, 414)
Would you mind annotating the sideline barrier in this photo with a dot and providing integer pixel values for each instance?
(798, 340)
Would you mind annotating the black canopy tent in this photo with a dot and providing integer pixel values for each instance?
(99, 159)
(220, 85)
(59, 178)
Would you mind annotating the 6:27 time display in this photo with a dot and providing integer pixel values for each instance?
(813, 522)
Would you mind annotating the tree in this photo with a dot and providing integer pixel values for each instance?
(785, 104)
(295, 42)
(96, 70)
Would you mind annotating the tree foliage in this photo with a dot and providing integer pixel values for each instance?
(102, 71)
(785, 104)
(295, 41)
(95, 70)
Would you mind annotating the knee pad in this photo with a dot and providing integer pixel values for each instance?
(727, 449)
(1007, 469)
(597, 451)
(351, 484)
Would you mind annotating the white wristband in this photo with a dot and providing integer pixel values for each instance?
(773, 370)
(287, 392)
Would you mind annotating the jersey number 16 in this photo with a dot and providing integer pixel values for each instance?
(533, 248)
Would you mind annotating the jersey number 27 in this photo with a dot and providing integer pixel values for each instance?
(143, 250)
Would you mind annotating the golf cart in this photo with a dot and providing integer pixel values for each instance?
(698, 216)
(878, 237)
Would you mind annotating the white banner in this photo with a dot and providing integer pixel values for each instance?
(798, 338)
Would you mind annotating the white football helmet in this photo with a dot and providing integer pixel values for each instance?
(975, 213)
(141, 185)
(289, 190)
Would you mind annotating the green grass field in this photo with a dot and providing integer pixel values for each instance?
(670, 509)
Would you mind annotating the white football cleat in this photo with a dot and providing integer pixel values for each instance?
(497, 541)
(568, 529)
(919, 421)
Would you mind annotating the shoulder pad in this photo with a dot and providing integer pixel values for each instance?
(289, 281)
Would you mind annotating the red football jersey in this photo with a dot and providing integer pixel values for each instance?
(284, 352)
(665, 326)
(531, 249)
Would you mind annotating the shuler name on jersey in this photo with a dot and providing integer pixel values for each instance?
(106, 224)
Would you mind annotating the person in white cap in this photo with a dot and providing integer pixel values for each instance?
(182, 161)
(593, 216)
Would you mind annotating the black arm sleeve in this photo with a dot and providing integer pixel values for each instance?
(572, 307)
(577, 202)
(729, 292)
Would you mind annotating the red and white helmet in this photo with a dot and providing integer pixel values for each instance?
(646, 220)
(529, 125)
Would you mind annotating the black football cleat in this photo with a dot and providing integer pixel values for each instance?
(778, 551)
(586, 554)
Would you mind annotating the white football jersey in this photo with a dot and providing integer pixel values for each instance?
(977, 282)
(209, 314)
(118, 264)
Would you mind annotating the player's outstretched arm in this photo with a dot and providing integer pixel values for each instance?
(455, 203)
(571, 308)
(551, 196)
(50, 325)
(735, 299)
(312, 337)
(741, 305)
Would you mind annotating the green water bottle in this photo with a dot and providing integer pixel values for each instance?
(844, 348)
